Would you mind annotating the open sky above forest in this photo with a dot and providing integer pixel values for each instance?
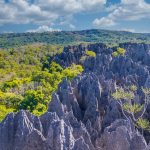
(51, 15)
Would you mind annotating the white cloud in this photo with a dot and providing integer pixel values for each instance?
(44, 29)
(72, 6)
(127, 29)
(67, 22)
(103, 22)
(44, 12)
(131, 1)
(127, 10)
(21, 12)
(71, 26)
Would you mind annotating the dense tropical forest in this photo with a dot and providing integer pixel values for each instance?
(9, 40)
(28, 77)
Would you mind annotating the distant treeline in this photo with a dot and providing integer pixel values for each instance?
(8, 40)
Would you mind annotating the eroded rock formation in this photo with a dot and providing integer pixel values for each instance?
(82, 114)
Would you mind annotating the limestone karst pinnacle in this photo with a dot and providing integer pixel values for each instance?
(82, 115)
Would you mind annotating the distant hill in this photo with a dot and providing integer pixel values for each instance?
(72, 37)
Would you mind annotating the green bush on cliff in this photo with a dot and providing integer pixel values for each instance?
(119, 52)
(72, 71)
(4, 111)
(90, 53)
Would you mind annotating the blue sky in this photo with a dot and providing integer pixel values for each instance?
(51, 15)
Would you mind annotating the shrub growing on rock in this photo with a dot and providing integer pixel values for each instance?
(132, 110)
(115, 54)
(119, 52)
(90, 53)
(72, 71)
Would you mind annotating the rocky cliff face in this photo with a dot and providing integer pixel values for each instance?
(82, 114)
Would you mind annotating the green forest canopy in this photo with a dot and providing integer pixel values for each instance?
(72, 37)
(28, 79)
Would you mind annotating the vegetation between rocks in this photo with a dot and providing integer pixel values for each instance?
(28, 79)
(132, 110)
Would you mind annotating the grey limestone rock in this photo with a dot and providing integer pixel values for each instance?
(82, 114)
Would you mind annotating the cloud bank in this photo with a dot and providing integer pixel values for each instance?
(50, 13)
(44, 11)
(127, 10)
(43, 28)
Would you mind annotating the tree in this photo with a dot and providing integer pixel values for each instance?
(10, 100)
(4, 111)
(54, 67)
(132, 110)
(72, 71)
(31, 100)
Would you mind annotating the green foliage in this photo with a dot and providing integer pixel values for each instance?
(40, 109)
(115, 54)
(119, 52)
(135, 108)
(111, 38)
(4, 111)
(146, 91)
(131, 109)
(28, 79)
(23, 75)
(31, 100)
(36, 101)
(90, 53)
(121, 94)
(143, 123)
(72, 71)
(10, 100)
(133, 88)
(82, 59)
(15, 83)
(54, 67)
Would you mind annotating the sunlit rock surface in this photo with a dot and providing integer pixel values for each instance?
(82, 114)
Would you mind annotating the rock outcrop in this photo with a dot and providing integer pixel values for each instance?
(81, 114)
